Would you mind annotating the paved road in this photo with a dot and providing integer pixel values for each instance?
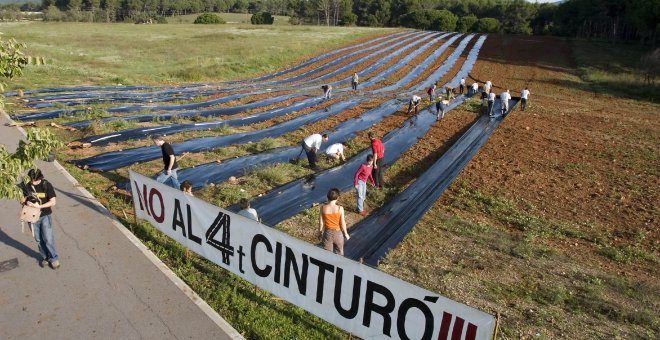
(109, 285)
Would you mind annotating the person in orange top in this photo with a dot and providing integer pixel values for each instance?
(332, 224)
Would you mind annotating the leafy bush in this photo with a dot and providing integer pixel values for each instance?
(466, 23)
(53, 13)
(208, 18)
(262, 18)
(349, 19)
(488, 25)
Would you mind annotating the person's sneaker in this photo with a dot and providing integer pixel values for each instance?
(43, 263)
(55, 264)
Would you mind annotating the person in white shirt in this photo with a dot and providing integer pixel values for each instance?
(504, 101)
(461, 87)
(475, 88)
(355, 81)
(491, 103)
(524, 95)
(336, 151)
(246, 211)
(414, 102)
(487, 86)
(311, 144)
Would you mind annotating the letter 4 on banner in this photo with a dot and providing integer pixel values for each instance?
(359, 299)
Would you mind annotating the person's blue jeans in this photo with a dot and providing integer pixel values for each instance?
(361, 195)
(490, 107)
(43, 234)
(523, 104)
(163, 177)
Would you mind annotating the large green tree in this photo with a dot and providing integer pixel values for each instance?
(39, 142)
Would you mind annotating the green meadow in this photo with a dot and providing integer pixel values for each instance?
(130, 54)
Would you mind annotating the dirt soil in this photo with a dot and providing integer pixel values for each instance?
(583, 168)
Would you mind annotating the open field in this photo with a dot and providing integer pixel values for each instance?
(127, 54)
(554, 224)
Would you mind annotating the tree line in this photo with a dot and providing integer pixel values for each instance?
(613, 20)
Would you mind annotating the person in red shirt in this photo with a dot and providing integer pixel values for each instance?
(362, 176)
(378, 151)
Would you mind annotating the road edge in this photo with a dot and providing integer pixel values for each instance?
(189, 292)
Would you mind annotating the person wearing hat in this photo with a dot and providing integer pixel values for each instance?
(41, 194)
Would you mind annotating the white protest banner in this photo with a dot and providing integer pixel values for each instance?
(359, 299)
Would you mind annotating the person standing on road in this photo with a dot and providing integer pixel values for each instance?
(504, 101)
(414, 102)
(524, 95)
(440, 107)
(461, 86)
(41, 194)
(327, 91)
(246, 210)
(312, 144)
(336, 151)
(362, 176)
(378, 152)
(169, 163)
(355, 81)
(332, 224)
(491, 103)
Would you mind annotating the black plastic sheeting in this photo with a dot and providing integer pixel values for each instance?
(374, 236)
(84, 98)
(287, 200)
(273, 131)
(326, 55)
(445, 67)
(363, 59)
(114, 160)
(142, 118)
(165, 95)
(138, 88)
(218, 172)
(131, 108)
(138, 133)
(225, 111)
(329, 64)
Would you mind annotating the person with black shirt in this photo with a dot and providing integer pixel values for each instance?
(169, 163)
(41, 194)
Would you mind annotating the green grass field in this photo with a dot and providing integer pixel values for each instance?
(129, 54)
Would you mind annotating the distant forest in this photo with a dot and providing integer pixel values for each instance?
(613, 20)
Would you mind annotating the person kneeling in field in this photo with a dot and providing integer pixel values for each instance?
(336, 151)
